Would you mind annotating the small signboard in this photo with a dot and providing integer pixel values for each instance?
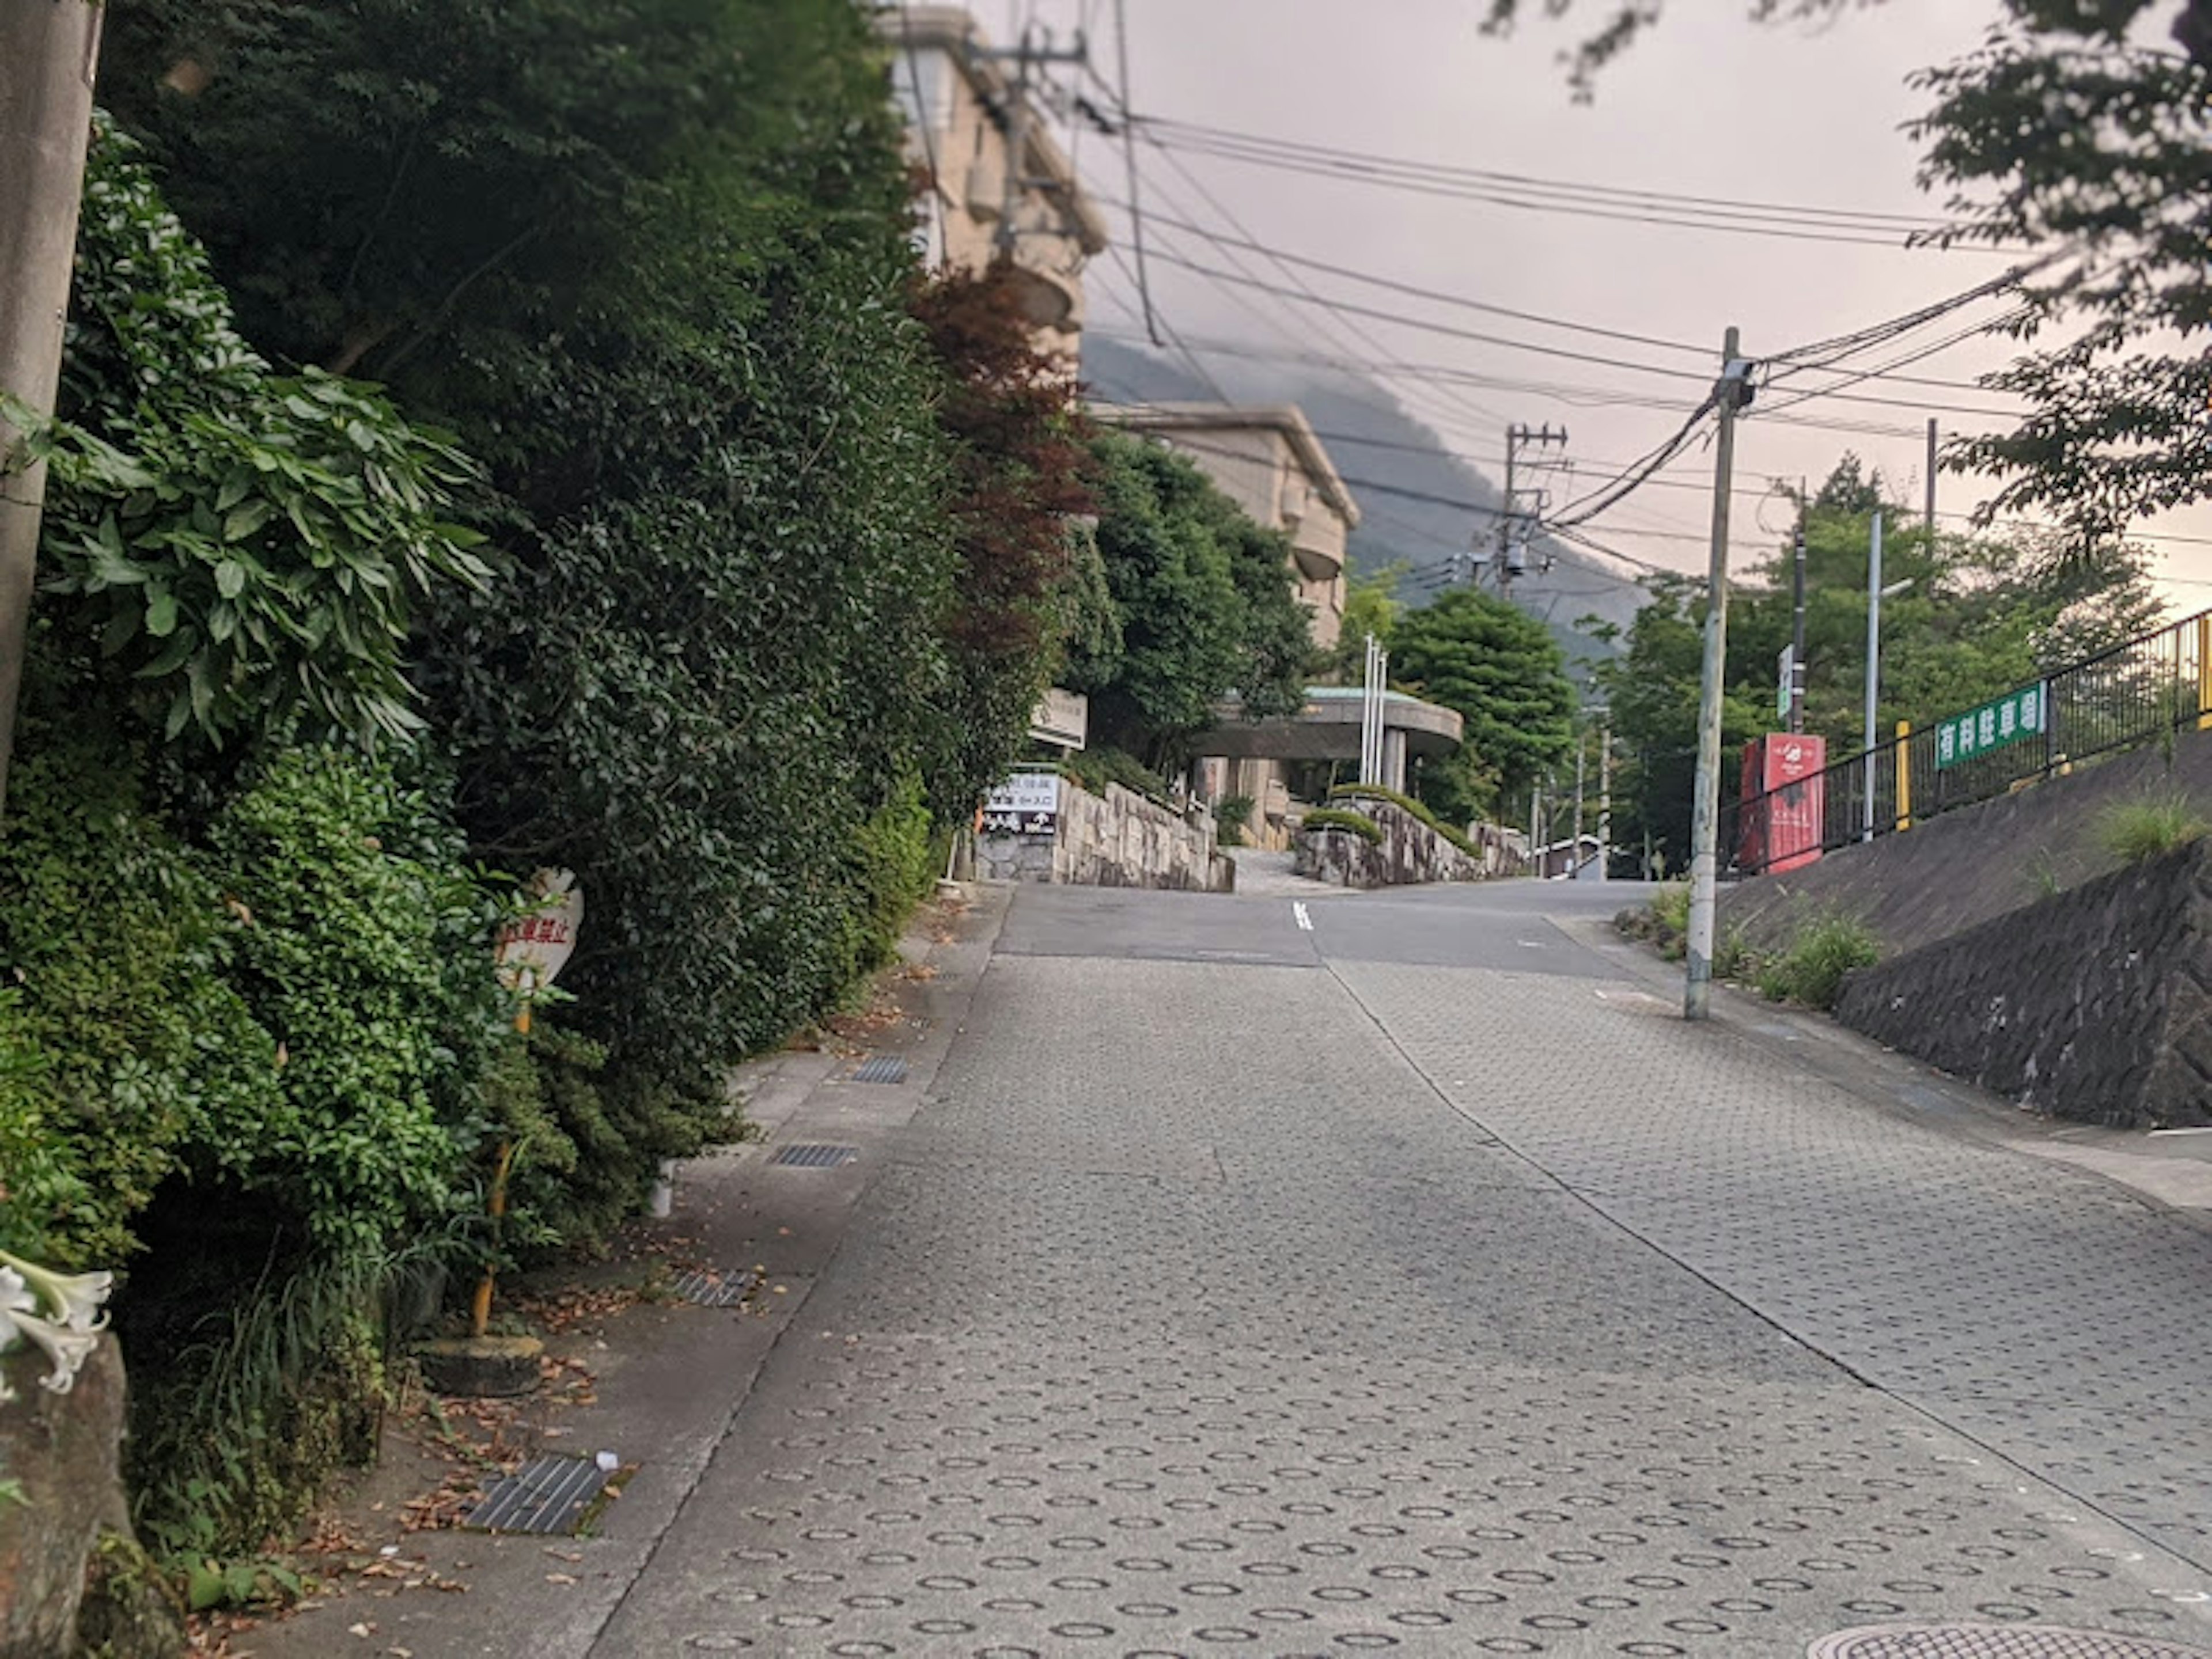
(1026, 804)
(1063, 718)
(1786, 666)
(536, 945)
(2016, 715)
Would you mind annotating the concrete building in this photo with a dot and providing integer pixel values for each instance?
(962, 98)
(1268, 460)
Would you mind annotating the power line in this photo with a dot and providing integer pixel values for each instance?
(1532, 182)
(1780, 228)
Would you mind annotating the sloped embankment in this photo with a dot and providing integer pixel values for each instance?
(2018, 953)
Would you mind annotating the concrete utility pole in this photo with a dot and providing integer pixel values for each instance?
(1575, 836)
(1873, 660)
(1512, 553)
(1932, 447)
(1730, 395)
(48, 51)
(1025, 54)
(1605, 796)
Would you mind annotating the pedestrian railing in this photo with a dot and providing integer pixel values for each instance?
(2133, 694)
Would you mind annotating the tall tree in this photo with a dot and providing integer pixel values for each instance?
(1504, 674)
(1205, 602)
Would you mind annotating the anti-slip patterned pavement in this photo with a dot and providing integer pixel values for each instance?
(2066, 1323)
(1191, 1319)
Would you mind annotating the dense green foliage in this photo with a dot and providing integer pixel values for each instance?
(1419, 809)
(1204, 606)
(245, 545)
(1333, 817)
(1981, 614)
(1504, 672)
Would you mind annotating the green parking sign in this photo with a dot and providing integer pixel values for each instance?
(2016, 715)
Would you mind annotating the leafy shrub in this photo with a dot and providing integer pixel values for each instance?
(1233, 816)
(2153, 824)
(243, 545)
(1329, 817)
(125, 1049)
(1406, 803)
(1094, 769)
(366, 953)
(1811, 970)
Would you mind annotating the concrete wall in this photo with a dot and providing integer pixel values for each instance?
(1949, 873)
(2094, 1005)
(1409, 852)
(1122, 840)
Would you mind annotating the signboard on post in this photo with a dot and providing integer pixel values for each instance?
(1996, 724)
(535, 946)
(1026, 804)
(1786, 664)
(1063, 718)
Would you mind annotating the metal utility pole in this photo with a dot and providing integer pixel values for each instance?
(1512, 553)
(1730, 395)
(48, 51)
(1536, 828)
(1797, 617)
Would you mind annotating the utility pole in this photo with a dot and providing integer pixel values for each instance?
(1731, 394)
(48, 51)
(1575, 836)
(1873, 660)
(1512, 555)
(1797, 617)
(1931, 486)
(1605, 795)
(1025, 55)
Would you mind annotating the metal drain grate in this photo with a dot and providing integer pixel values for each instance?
(815, 1158)
(1993, 1642)
(713, 1289)
(883, 1069)
(549, 1495)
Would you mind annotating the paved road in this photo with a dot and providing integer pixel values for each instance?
(1394, 1273)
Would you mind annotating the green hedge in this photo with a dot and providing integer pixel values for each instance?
(1328, 818)
(1406, 803)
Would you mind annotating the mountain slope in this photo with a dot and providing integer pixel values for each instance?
(1422, 507)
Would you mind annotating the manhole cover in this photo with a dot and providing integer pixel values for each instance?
(709, 1289)
(815, 1158)
(549, 1495)
(1993, 1642)
(883, 1069)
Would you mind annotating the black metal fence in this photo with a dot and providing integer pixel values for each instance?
(2133, 694)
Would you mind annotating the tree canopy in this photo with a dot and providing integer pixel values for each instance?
(1504, 674)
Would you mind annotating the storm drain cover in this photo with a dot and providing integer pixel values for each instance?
(817, 1157)
(883, 1069)
(1993, 1642)
(549, 1495)
(710, 1289)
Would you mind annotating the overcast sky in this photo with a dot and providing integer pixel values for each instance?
(1707, 104)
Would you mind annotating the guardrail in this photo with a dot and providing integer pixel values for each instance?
(2133, 694)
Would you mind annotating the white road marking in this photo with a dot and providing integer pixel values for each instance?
(1298, 910)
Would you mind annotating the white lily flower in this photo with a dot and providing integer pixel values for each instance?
(68, 1349)
(75, 1299)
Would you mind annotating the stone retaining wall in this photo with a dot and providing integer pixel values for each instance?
(2093, 1005)
(1120, 840)
(1409, 852)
